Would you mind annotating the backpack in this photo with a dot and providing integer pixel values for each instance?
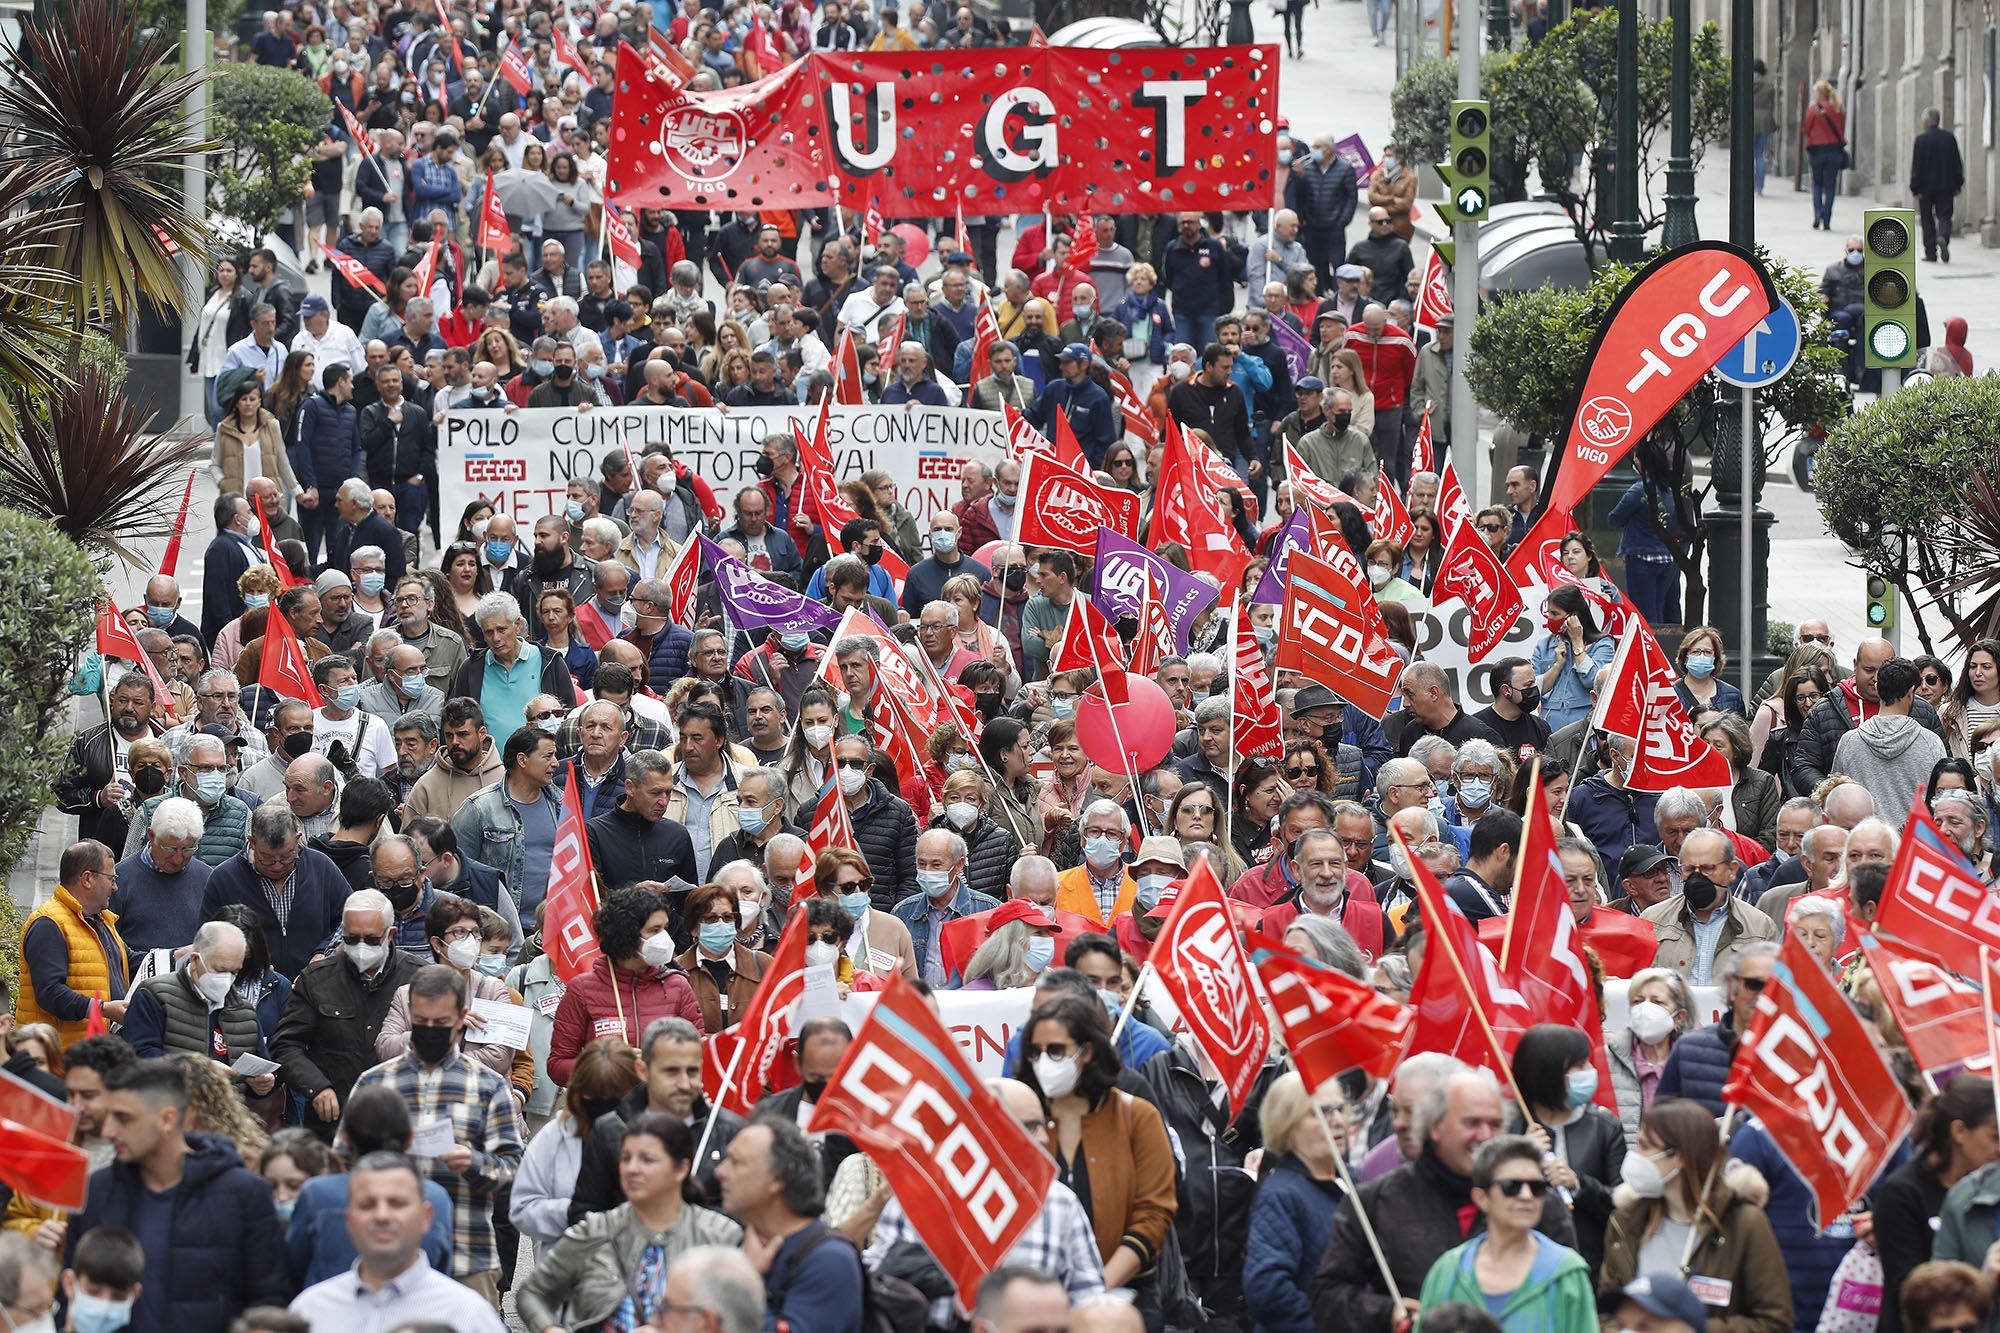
(888, 1304)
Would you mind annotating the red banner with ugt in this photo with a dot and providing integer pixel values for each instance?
(1807, 1067)
(930, 133)
(960, 1164)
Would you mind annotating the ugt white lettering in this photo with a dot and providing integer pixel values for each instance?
(1685, 332)
(1170, 100)
(878, 112)
(1033, 150)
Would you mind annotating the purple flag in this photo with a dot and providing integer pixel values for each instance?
(1297, 535)
(753, 602)
(1357, 155)
(1118, 581)
(1293, 344)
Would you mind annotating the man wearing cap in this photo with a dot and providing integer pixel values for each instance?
(1319, 714)
(913, 383)
(1348, 300)
(1336, 447)
(1096, 424)
(1311, 414)
(342, 628)
(1662, 1303)
(326, 338)
(1430, 385)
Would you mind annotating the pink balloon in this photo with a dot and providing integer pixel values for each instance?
(916, 245)
(1144, 729)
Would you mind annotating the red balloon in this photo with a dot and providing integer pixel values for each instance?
(1144, 724)
(916, 245)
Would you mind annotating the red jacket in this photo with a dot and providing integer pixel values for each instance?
(1388, 362)
(1360, 917)
(589, 1010)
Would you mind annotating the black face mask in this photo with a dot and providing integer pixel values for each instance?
(564, 374)
(1341, 420)
(1528, 700)
(987, 704)
(1700, 890)
(150, 781)
(431, 1044)
(1017, 578)
(813, 1088)
(404, 898)
(297, 745)
(764, 467)
(872, 554)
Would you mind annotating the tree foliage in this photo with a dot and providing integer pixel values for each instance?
(267, 121)
(1527, 105)
(1894, 480)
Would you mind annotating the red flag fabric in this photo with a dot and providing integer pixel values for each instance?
(95, 1024)
(663, 60)
(871, 213)
(1184, 512)
(1434, 296)
(961, 1166)
(1472, 573)
(1082, 245)
(1023, 438)
(1202, 963)
(1330, 630)
(1155, 639)
(596, 630)
(830, 826)
(172, 559)
(427, 267)
(566, 52)
(356, 273)
(1458, 984)
(51, 1171)
(493, 231)
(283, 668)
(847, 371)
(30, 1107)
(448, 40)
(624, 248)
(514, 69)
(1139, 423)
(1309, 485)
(115, 638)
(1219, 474)
(272, 555)
(1061, 509)
(1941, 1016)
(1253, 699)
(1935, 900)
(1424, 456)
(919, 691)
(1674, 320)
(895, 734)
(362, 142)
(985, 333)
(764, 1034)
(1332, 1023)
(571, 899)
(1807, 1068)
(682, 579)
(1538, 559)
(960, 236)
(1067, 451)
(1451, 503)
(1391, 521)
(1089, 641)
(1639, 704)
(958, 940)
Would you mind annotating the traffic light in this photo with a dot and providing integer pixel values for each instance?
(1889, 289)
(1469, 173)
(1881, 604)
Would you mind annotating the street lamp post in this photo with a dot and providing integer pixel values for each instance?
(1628, 233)
(1680, 226)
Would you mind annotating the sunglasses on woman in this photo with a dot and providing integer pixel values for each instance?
(1513, 1187)
(1301, 770)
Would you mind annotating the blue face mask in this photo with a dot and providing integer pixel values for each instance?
(855, 903)
(1041, 952)
(1004, 500)
(1475, 792)
(284, 1208)
(413, 685)
(492, 964)
(1701, 665)
(718, 937)
(1062, 708)
(542, 369)
(751, 820)
(373, 583)
(160, 616)
(1581, 1088)
(97, 1314)
(210, 787)
(573, 511)
(499, 553)
(934, 883)
(795, 643)
(347, 696)
(256, 601)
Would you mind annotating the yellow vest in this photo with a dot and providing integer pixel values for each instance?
(89, 969)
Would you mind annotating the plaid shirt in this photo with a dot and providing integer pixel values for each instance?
(1058, 1242)
(481, 1109)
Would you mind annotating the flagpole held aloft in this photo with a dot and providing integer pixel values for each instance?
(715, 1107)
(1131, 1003)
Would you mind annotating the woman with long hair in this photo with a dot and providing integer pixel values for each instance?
(1259, 790)
(1972, 715)
(1578, 554)
(1801, 692)
(606, 1070)
(223, 322)
(249, 443)
(1425, 554)
(295, 385)
(214, 1107)
(1566, 663)
(1770, 714)
(1121, 464)
(1825, 134)
(1014, 954)
(1307, 768)
(555, 626)
(1349, 375)
(1195, 815)
(1953, 1136)
(498, 346)
(808, 761)
(384, 320)
(609, 1271)
(568, 218)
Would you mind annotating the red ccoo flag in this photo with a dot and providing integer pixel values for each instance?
(1332, 1023)
(283, 668)
(1941, 1017)
(493, 231)
(272, 555)
(960, 1165)
(1331, 631)
(1808, 1068)
(755, 1057)
(1935, 900)
(1472, 574)
(1639, 704)
(566, 52)
(1200, 960)
(847, 371)
(1254, 701)
(571, 899)
(172, 559)
(514, 69)
(1462, 1006)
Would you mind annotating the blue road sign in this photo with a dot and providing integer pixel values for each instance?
(1766, 352)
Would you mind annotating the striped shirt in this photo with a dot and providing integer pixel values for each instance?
(481, 1109)
(1058, 1242)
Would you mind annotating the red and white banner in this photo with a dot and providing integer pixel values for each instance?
(363, 141)
(1675, 319)
(356, 273)
(1391, 520)
(1471, 573)
(572, 897)
(427, 267)
(1639, 704)
(1309, 485)
(514, 69)
(116, 638)
(1332, 1023)
(282, 668)
(1452, 506)
(1935, 900)
(960, 1164)
(1162, 129)
(624, 249)
(1424, 457)
(1185, 512)
(1941, 1016)
(566, 52)
(493, 232)
(1058, 508)
(1220, 473)
(755, 1057)
(1330, 630)
(1023, 439)
(172, 559)
(1202, 963)
(1808, 1068)
(1434, 296)
(894, 671)
(1538, 560)
(663, 58)
(1254, 702)
(683, 578)
(268, 540)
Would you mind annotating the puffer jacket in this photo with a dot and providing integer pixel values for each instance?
(226, 1250)
(1734, 1244)
(224, 830)
(1810, 1257)
(584, 1277)
(990, 854)
(1594, 1147)
(1830, 719)
(589, 1010)
(1700, 1064)
(1618, 1052)
(1212, 1220)
(1291, 1220)
(885, 833)
(326, 447)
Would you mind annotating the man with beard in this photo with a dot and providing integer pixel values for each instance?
(467, 762)
(415, 735)
(94, 789)
(554, 565)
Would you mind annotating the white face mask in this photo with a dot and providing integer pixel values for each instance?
(367, 957)
(1643, 1174)
(819, 736)
(962, 814)
(852, 780)
(657, 950)
(1057, 1077)
(215, 986)
(1651, 1021)
(462, 954)
(821, 955)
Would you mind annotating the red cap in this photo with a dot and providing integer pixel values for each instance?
(1019, 909)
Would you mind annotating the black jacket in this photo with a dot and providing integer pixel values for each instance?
(885, 833)
(397, 451)
(1213, 1217)
(1828, 721)
(598, 1188)
(326, 1036)
(1416, 1208)
(1594, 1147)
(1937, 170)
(833, 1149)
(991, 850)
(627, 849)
(342, 540)
(350, 301)
(1906, 1202)
(90, 767)
(1324, 199)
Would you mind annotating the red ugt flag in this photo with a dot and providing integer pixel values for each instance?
(1639, 704)
(1462, 1005)
(1059, 508)
(269, 541)
(1332, 1022)
(283, 668)
(1808, 1069)
(1935, 901)
(1200, 960)
(959, 1162)
(1472, 573)
(566, 922)
(755, 1057)
(1089, 643)
(493, 232)
(116, 639)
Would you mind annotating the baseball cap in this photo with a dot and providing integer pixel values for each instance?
(1445, 321)
(1351, 272)
(1311, 384)
(958, 257)
(1160, 847)
(223, 734)
(1019, 909)
(1667, 1297)
(313, 305)
(1074, 352)
(1642, 859)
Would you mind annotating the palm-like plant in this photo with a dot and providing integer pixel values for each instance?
(99, 132)
(1970, 549)
(36, 337)
(96, 466)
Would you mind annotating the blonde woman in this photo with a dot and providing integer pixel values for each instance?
(258, 584)
(974, 634)
(1825, 133)
(214, 1107)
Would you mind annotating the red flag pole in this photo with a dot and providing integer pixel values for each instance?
(721, 1095)
(172, 559)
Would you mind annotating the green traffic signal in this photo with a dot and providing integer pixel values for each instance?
(1469, 171)
(1889, 289)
